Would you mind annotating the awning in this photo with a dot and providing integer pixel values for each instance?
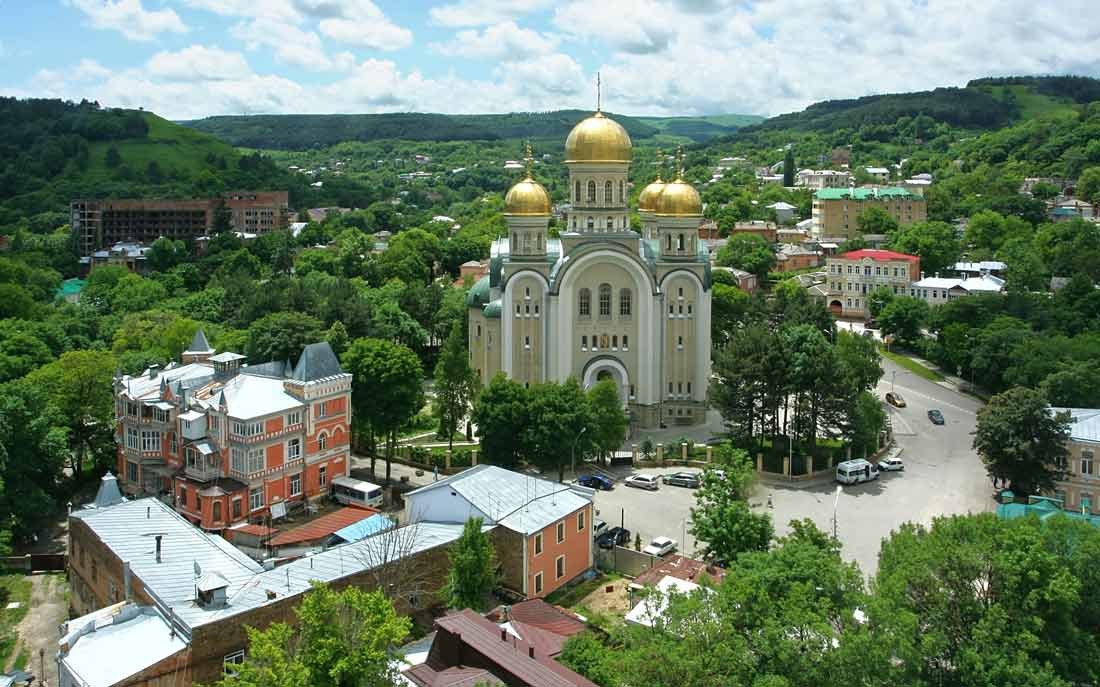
(204, 448)
(191, 415)
(163, 405)
(829, 245)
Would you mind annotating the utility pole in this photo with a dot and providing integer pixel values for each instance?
(893, 375)
(836, 500)
(573, 452)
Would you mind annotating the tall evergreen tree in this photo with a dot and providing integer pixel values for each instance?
(788, 167)
(473, 568)
(455, 384)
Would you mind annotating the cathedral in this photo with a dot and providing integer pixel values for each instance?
(600, 301)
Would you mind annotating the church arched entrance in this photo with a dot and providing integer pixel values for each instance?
(836, 308)
(608, 368)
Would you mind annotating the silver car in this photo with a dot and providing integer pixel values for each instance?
(642, 481)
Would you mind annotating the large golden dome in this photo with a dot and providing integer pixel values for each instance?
(527, 198)
(647, 199)
(598, 139)
(679, 199)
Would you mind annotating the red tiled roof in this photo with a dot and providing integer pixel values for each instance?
(878, 255)
(324, 526)
(458, 676)
(680, 567)
(254, 530)
(545, 616)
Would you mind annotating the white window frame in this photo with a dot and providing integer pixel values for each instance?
(538, 544)
(255, 494)
(322, 475)
(230, 661)
(294, 418)
(559, 562)
(150, 441)
(295, 479)
(296, 443)
(559, 532)
(580, 521)
(133, 439)
(539, 586)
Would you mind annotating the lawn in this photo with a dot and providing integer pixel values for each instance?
(571, 596)
(912, 365)
(12, 588)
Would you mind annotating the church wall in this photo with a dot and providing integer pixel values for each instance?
(523, 316)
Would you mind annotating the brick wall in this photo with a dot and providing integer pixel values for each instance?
(509, 550)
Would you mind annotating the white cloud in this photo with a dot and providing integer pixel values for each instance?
(482, 12)
(505, 40)
(130, 18)
(90, 70)
(361, 23)
(198, 63)
(291, 44)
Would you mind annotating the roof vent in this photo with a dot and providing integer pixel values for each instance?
(211, 590)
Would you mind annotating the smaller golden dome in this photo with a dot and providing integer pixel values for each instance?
(598, 139)
(647, 199)
(527, 198)
(679, 199)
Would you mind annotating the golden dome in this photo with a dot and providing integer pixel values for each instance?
(527, 198)
(598, 139)
(679, 199)
(647, 199)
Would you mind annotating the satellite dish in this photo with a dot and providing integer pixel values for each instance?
(198, 570)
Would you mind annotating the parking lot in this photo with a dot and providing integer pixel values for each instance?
(942, 476)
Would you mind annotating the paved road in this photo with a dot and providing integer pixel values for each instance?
(943, 476)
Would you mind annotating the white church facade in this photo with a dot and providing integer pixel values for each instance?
(600, 300)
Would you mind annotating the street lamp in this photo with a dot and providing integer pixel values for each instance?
(573, 452)
(835, 501)
(893, 375)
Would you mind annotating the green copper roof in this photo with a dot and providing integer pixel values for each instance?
(865, 193)
(493, 309)
(478, 293)
(70, 287)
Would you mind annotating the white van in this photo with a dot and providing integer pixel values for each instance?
(855, 471)
(355, 492)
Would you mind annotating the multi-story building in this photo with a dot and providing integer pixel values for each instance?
(600, 301)
(938, 290)
(224, 441)
(1080, 490)
(765, 230)
(791, 257)
(835, 211)
(97, 224)
(822, 178)
(853, 275)
(544, 533)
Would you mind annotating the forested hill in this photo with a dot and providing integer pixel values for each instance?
(302, 132)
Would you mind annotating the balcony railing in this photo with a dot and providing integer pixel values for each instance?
(203, 474)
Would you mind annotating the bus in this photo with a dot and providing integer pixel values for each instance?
(355, 492)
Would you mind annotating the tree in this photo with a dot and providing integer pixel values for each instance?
(874, 220)
(867, 421)
(903, 318)
(341, 639)
(721, 518)
(858, 361)
(112, 159)
(728, 308)
(1088, 185)
(934, 242)
(1021, 440)
(788, 167)
(473, 568)
(455, 384)
(337, 337)
(387, 390)
(1075, 385)
(282, 336)
(747, 252)
(608, 421)
(878, 299)
(164, 254)
(501, 414)
(557, 410)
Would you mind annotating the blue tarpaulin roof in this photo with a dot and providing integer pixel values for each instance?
(364, 528)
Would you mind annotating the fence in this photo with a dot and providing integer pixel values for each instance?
(626, 561)
(33, 562)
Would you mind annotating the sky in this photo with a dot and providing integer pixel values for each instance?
(187, 59)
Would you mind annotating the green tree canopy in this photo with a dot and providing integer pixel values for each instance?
(501, 414)
(456, 385)
(608, 421)
(472, 576)
(874, 220)
(1021, 440)
(282, 336)
(747, 252)
(721, 518)
(934, 242)
(903, 318)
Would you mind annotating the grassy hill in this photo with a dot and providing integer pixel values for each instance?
(172, 146)
(303, 132)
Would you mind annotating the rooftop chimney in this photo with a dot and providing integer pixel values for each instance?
(153, 370)
(158, 537)
(531, 651)
(503, 635)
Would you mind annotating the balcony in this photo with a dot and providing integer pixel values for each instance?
(203, 473)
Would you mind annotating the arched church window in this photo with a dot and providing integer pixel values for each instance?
(610, 223)
(668, 241)
(591, 191)
(679, 242)
(591, 223)
(577, 191)
(605, 300)
(574, 221)
(584, 303)
(625, 302)
(607, 199)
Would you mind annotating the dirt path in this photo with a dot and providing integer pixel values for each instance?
(38, 630)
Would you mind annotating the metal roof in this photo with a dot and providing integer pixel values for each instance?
(520, 502)
(364, 528)
(199, 344)
(318, 361)
(119, 646)
(323, 527)
(1084, 423)
(248, 396)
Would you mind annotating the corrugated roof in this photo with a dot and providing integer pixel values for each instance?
(364, 528)
(1084, 424)
(323, 527)
(248, 396)
(866, 194)
(110, 653)
(520, 502)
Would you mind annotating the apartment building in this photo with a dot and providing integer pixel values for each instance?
(853, 275)
(835, 211)
(97, 224)
(822, 178)
(224, 441)
(1080, 490)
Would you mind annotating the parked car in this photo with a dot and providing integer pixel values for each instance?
(616, 536)
(682, 479)
(596, 482)
(935, 416)
(642, 482)
(895, 399)
(890, 465)
(870, 324)
(855, 471)
(599, 528)
(868, 334)
(660, 546)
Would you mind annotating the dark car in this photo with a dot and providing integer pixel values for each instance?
(935, 416)
(595, 482)
(616, 536)
(682, 479)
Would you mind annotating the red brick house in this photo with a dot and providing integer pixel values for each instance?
(225, 441)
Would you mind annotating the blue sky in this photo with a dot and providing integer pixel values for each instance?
(191, 58)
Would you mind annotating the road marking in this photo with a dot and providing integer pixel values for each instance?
(935, 400)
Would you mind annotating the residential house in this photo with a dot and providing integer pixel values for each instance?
(1072, 208)
(746, 281)
(708, 229)
(784, 212)
(765, 230)
(791, 257)
(224, 441)
(128, 255)
(681, 567)
(836, 211)
(196, 592)
(975, 269)
(544, 533)
(853, 275)
(879, 174)
(1080, 490)
(317, 534)
(938, 290)
(824, 178)
(791, 235)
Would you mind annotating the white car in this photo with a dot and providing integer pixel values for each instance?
(890, 465)
(643, 482)
(660, 546)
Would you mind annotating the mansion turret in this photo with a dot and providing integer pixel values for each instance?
(600, 301)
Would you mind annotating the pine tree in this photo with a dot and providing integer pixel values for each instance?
(473, 568)
(455, 384)
(788, 167)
